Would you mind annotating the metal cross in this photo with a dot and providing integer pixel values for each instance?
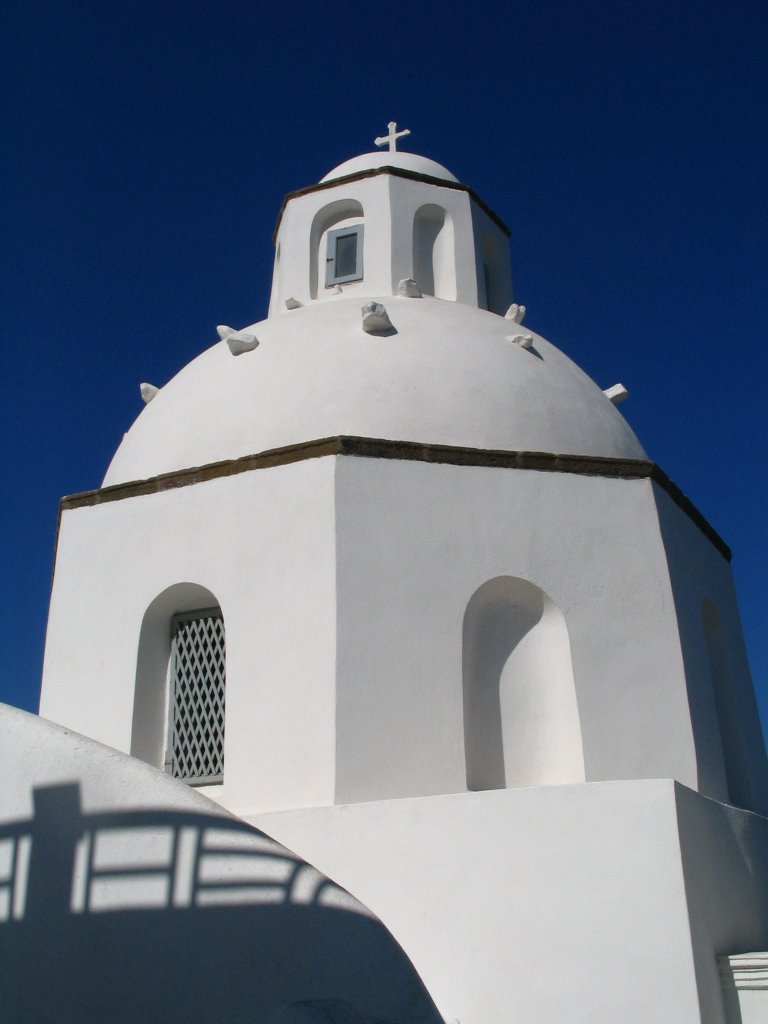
(392, 137)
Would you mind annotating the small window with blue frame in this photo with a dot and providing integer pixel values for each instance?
(344, 260)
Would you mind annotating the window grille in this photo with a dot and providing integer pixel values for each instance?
(195, 751)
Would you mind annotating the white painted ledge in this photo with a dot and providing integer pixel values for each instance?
(744, 978)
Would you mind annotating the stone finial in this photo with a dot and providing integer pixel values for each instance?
(523, 340)
(293, 303)
(616, 394)
(409, 288)
(376, 319)
(515, 313)
(238, 341)
(148, 392)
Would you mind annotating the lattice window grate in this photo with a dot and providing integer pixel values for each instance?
(195, 750)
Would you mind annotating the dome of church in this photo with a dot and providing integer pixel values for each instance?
(448, 374)
(403, 161)
(444, 366)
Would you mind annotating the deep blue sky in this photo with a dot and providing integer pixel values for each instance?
(148, 147)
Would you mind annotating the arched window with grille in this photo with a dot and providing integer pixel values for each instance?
(180, 691)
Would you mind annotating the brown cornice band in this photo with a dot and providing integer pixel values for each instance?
(397, 172)
(375, 448)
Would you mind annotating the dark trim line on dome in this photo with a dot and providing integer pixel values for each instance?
(398, 172)
(411, 451)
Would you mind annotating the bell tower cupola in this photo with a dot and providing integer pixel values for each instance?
(383, 218)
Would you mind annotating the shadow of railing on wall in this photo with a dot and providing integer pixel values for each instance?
(64, 861)
(185, 917)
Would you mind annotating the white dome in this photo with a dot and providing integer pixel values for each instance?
(449, 376)
(383, 158)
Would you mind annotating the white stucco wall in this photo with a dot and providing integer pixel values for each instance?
(345, 582)
(415, 542)
(387, 207)
(263, 544)
(559, 904)
(698, 574)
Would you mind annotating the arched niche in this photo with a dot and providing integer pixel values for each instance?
(342, 213)
(521, 720)
(727, 707)
(150, 698)
(434, 268)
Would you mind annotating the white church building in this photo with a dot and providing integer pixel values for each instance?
(386, 678)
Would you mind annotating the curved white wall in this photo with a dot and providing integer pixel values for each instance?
(449, 376)
(133, 898)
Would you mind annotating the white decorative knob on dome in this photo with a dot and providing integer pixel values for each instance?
(238, 341)
(409, 288)
(376, 319)
(523, 340)
(516, 313)
(148, 392)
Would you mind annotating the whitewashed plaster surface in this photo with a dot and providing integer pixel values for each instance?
(263, 544)
(467, 248)
(344, 584)
(724, 714)
(131, 897)
(555, 904)
(414, 544)
(449, 376)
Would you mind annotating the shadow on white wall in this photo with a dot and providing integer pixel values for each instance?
(172, 915)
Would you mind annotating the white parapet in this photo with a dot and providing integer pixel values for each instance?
(745, 987)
